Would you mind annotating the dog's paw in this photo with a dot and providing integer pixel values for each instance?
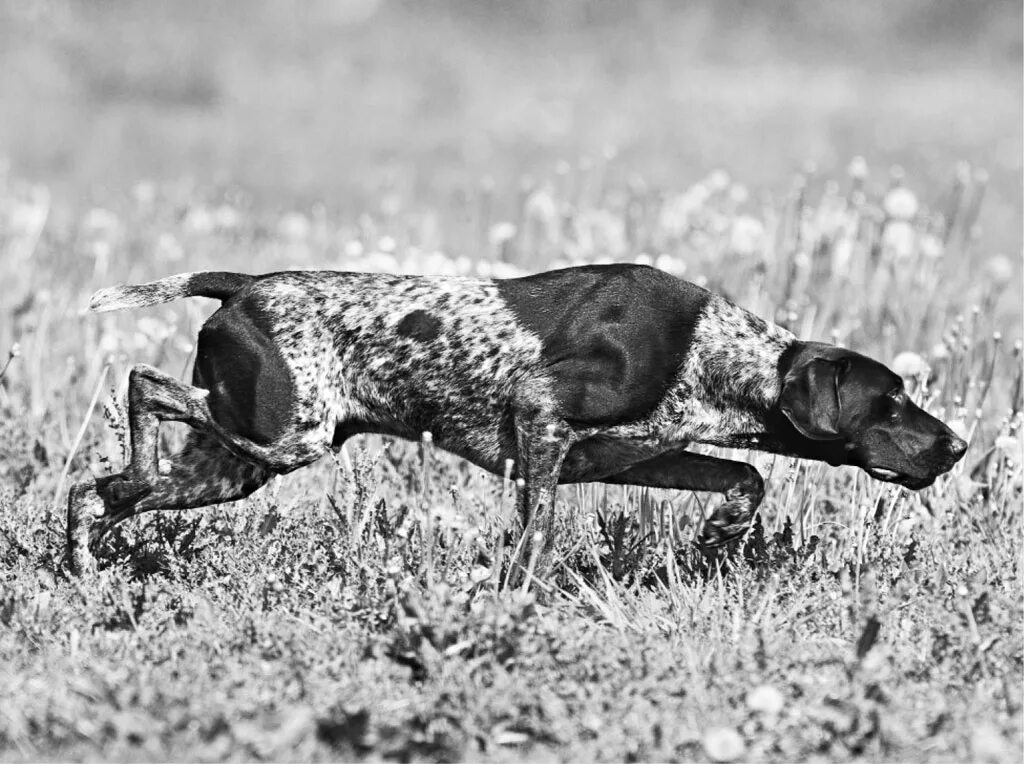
(727, 525)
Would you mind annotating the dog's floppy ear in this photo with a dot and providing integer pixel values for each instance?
(810, 398)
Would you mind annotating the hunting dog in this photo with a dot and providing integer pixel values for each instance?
(597, 373)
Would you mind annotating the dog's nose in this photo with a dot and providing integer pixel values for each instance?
(957, 447)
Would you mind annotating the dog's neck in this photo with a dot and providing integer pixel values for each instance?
(736, 372)
(730, 381)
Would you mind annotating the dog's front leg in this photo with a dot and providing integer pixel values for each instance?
(739, 482)
(542, 441)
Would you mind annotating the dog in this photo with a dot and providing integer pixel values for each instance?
(588, 374)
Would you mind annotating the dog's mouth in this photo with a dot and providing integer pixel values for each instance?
(892, 476)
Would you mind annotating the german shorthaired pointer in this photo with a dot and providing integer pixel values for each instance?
(596, 373)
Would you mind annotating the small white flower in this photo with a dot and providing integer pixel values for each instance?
(1008, 444)
(670, 264)
(747, 236)
(198, 220)
(940, 352)
(226, 218)
(294, 226)
(739, 194)
(109, 343)
(387, 244)
(931, 246)
(999, 269)
(101, 222)
(765, 699)
(910, 365)
(842, 255)
(723, 744)
(500, 233)
(718, 180)
(900, 203)
(899, 238)
(353, 248)
(168, 248)
(858, 168)
(541, 204)
(144, 193)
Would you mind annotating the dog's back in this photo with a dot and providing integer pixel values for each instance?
(371, 353)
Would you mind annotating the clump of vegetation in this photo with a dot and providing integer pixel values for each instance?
(364, 607)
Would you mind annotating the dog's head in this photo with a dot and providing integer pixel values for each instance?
(860, 412)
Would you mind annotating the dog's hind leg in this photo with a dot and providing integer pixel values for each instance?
(741, 484)
(203, 472)
(153, 397)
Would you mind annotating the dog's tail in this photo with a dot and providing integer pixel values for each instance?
(217, 284)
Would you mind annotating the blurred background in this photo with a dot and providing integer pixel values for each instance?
(350, 101)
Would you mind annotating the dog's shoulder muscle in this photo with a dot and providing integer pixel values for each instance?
(614, 337)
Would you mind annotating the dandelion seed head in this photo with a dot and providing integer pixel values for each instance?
(500, 233)
(900, 203)
(747, 236)
(198, 221)
(718, 180)
(999, 270)
(931, 246)
(144, 193)
(541, 204)
(899, 238)
(858, 168)
(1008, 444)
(765, 699)
(294, 227)
(910, 365)
(723, 744)
(739, 194)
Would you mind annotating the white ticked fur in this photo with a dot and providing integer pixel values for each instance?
(126, 296)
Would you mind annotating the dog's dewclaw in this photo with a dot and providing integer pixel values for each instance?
(84, 506)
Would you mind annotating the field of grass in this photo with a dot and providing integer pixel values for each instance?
(358, 609)
(325, 617)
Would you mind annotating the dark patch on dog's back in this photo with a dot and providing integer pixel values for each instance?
(613, 336)
(420, 326)
(238, 361)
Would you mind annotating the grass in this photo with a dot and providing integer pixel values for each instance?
(355, 609)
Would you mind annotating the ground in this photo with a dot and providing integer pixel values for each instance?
(359, 608)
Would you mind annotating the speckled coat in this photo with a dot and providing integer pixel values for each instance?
(599, 373)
